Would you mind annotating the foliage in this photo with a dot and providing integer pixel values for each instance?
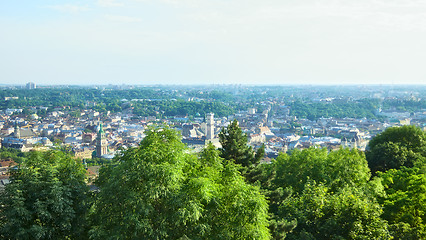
(337, 169)
(160, 191)
(314, 110)
(405, 202)
(323, 214)
(285, 180)
(408, 105)
(396, 147)
(15, 155)
(95, 161)
(46, 199)
(221, 100)
(235, 148)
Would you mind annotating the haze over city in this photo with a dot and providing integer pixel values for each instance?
(212, 42)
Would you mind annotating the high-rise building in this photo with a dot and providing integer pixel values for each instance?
(210, 126)
(101, 142)
(30, 85)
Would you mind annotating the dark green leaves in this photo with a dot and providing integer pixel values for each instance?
(46, 199)
(235, 148)
(397, 147)
(405, 202)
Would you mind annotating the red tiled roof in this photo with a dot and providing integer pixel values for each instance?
(7, 163)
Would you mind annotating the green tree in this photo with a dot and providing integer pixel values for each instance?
(336, 169)
(235, 148)
(286, 179)
(46, 199)
(161, 191)
(323, 214)
(404, 203)
(397, 147)
(13, 154)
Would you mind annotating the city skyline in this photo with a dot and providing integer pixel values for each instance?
(186, 42)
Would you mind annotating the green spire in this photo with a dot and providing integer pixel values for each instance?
(101, 130)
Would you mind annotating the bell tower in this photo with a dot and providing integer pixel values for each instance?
(17, 131)
(101, 142)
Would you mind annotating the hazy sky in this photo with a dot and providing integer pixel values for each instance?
(213, 41)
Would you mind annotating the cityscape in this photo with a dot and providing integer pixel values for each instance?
(256, 127)
(212, 120)
(272, 121)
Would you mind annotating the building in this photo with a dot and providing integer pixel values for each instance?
(101, 143)
(192, 130)
(251, 111)
(17, 132)
(10, 98)
(89, 138)
(83, 153)
(5, 165)
(21, 139)
(30, 85)
(210, 126)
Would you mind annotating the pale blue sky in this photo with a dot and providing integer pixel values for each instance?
(213, 42)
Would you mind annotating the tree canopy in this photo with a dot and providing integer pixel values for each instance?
(396, 147)
(316, 194)
(46, 199)
(404, 203)
(323, 214)
(336, 169)
(161, 191)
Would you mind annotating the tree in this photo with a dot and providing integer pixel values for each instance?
(242, 211)
(235, 148)
(161, 191)
(13, 154)
(46, 199)
(397, 147)
(323, 214)
(286, 179)
(404, 203)
(336, 169)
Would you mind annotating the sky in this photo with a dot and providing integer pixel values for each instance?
(262, 42)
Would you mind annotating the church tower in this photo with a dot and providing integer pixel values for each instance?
(101, 142)
(210, 126)
(17, 131)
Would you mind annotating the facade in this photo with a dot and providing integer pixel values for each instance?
(85, 153)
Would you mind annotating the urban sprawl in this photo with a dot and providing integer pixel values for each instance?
(269, 116)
